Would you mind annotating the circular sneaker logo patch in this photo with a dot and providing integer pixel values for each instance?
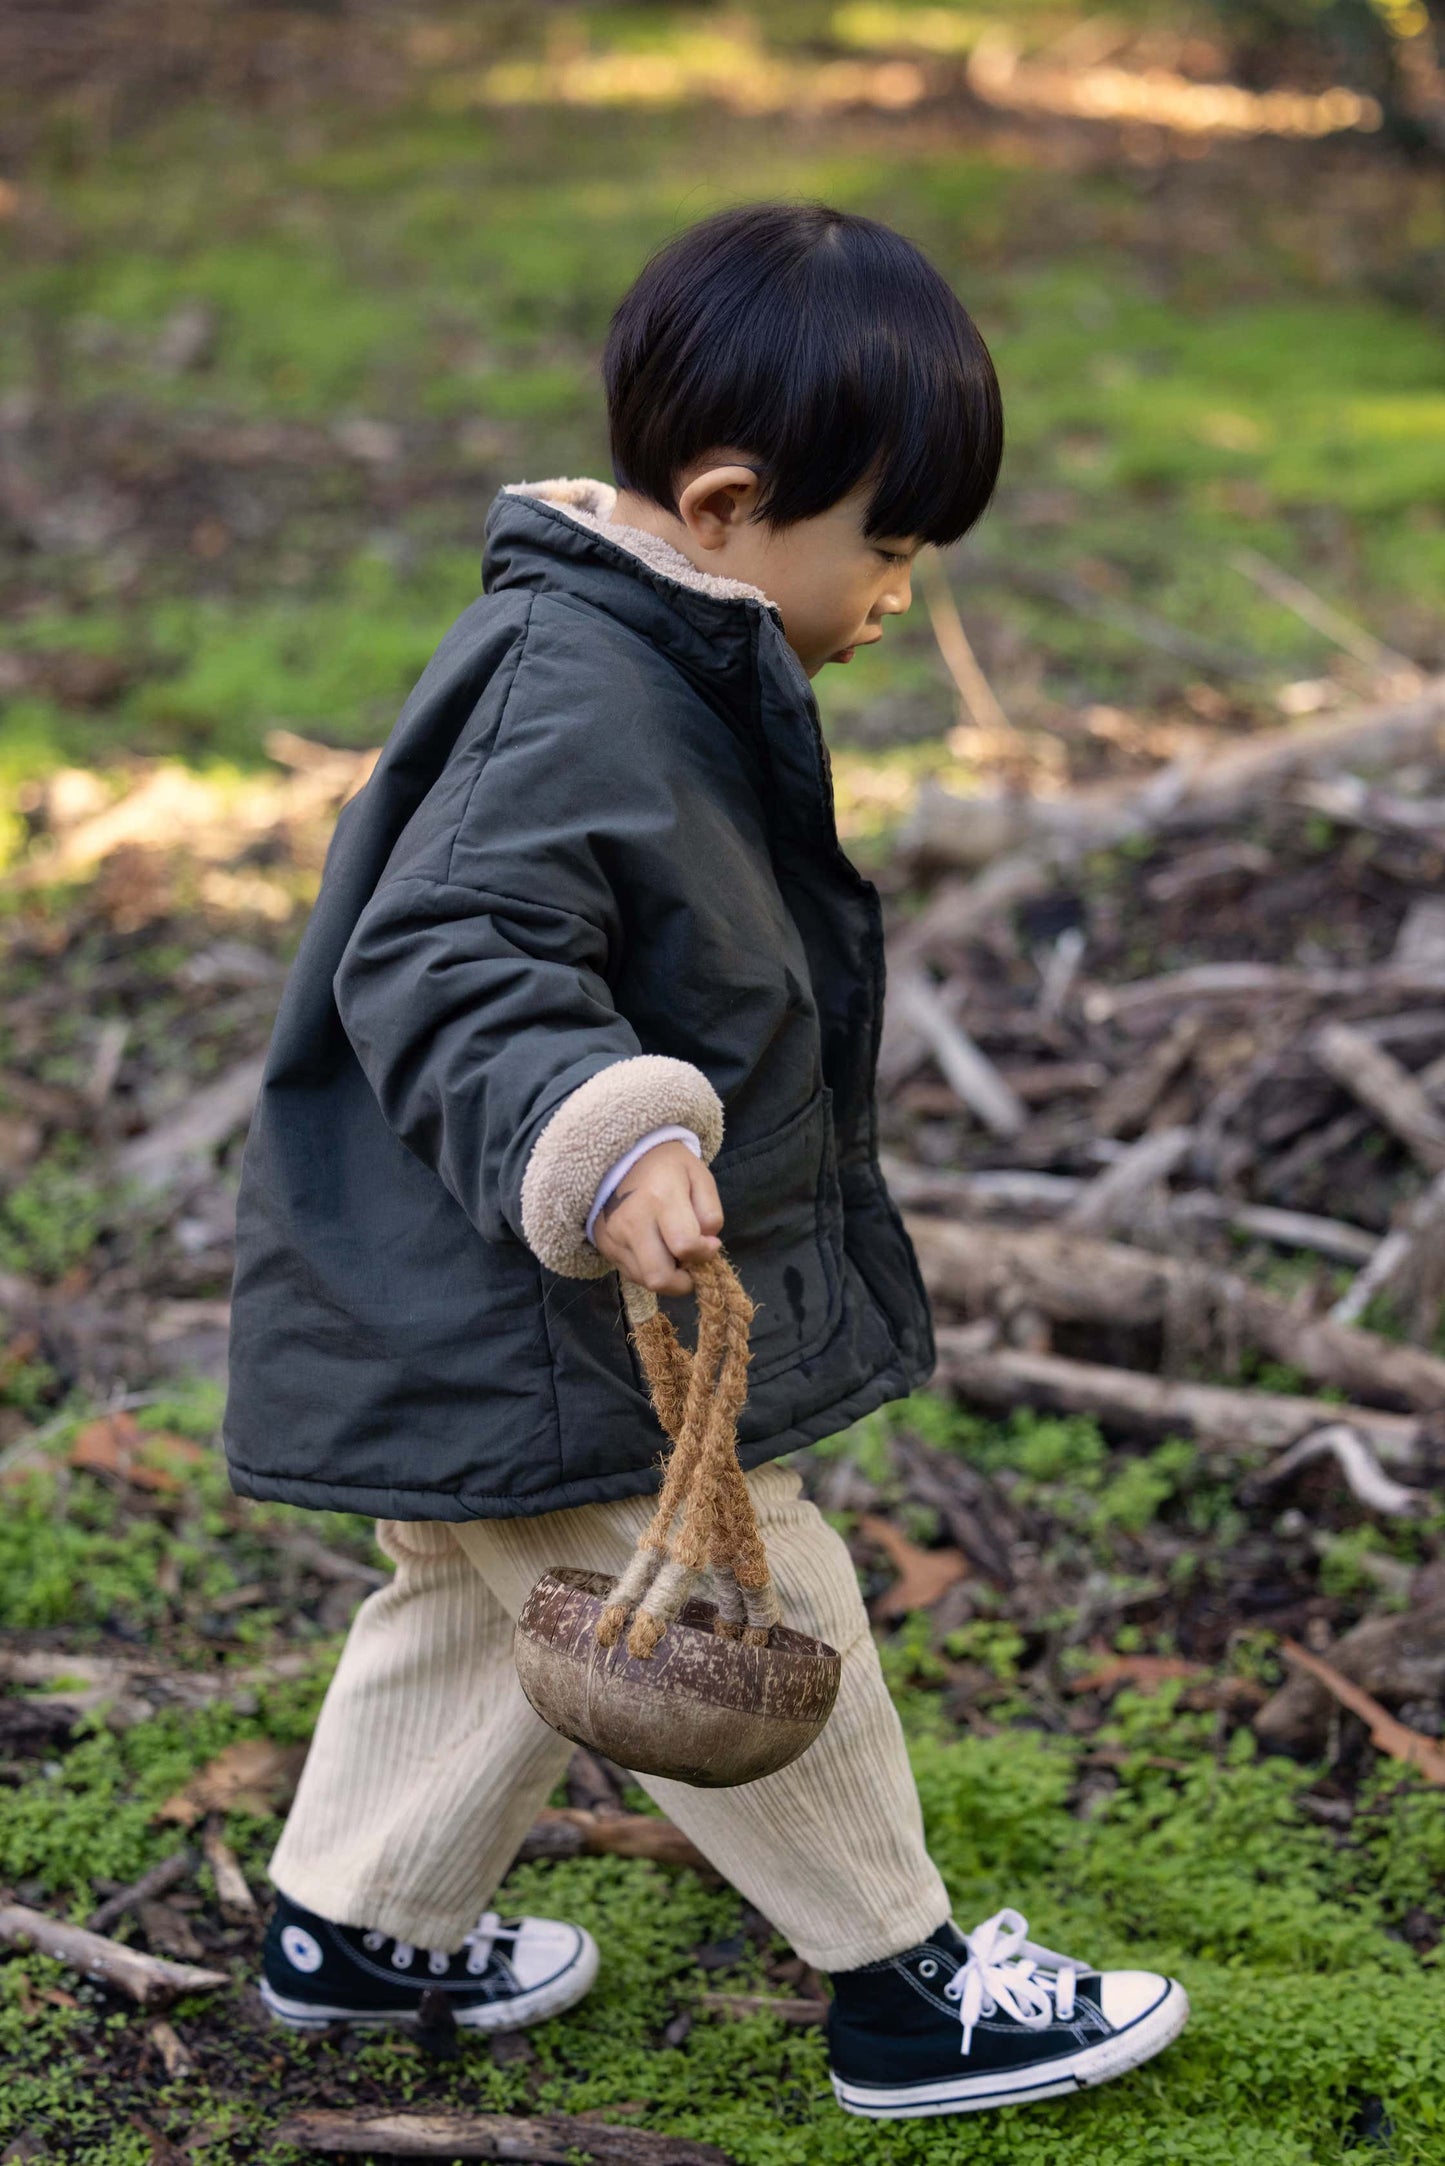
(300, 1949)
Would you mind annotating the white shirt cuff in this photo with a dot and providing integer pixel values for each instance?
(614, 1173)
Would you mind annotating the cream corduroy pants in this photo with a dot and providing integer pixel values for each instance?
(429, 1766)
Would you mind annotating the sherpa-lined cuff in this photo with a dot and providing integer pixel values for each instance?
(589, 1131)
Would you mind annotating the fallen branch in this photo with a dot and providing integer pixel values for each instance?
(547, 2139)
(985, 1269)
(233, 1894)
(209, 1118)
(1136, 1004)
(946, 829)
(1024, 1194)
(1124, 1399)
(970, 1074)
(1113, 1197)
(975, 1514)
(1389, 1735)
(571, 1831)
(1387, 1089)
(149, 1979)
(804, 2015)
(1422, 1224)
(1397, 1658)
(158, 1881)
(1367, 1479)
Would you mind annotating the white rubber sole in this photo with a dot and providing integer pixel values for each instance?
(1149, 2034)
(551, 1999)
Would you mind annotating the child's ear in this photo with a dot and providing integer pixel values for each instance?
(716, 502)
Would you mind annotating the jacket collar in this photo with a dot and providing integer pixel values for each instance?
(556, 537)
(590, 504)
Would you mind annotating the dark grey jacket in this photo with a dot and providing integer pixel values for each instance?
(594, 885)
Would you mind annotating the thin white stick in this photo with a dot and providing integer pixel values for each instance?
(1366, 1477)
(970, 1074)
(1320, 615)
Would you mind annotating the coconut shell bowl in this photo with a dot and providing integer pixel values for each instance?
(681, 1667)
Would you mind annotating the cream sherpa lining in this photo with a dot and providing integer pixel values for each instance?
(590, 503)
(589, 1132)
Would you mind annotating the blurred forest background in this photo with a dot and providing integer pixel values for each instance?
(1152, 779)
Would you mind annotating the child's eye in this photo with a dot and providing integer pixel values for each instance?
(891, 556)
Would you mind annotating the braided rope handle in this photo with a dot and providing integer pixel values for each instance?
(697, 1398)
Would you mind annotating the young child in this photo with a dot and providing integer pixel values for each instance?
(589, 984)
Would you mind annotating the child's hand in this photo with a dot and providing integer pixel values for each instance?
(663, 1213)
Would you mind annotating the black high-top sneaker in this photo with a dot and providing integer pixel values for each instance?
(988, 2018)
(508, 1972)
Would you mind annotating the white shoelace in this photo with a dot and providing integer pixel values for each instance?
(478, 1946)
(1000, 1973)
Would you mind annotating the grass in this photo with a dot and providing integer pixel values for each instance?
(1181, 378)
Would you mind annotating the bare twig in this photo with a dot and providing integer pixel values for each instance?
(1321, 616)
(1115, 1194)
(176, 2056)
(1389, 1735)
(149, 1979)
(1423, 1221)
(968, 1072)
(235, 1897)
(1141, 1405)
(168, 1874)
(1390, 1092)
(572, 1831)
(801, 2015)
(1367, 1479)
(550, 2139)
(974, 689)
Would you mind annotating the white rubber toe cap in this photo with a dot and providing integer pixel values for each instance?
(543, 1950)
(1125, 1995)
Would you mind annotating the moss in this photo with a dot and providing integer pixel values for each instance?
(1305, 2005)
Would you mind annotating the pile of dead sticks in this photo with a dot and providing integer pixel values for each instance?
(1163, 1073)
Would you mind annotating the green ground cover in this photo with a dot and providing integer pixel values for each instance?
(1193, 358)
(1318, 2027)
(1244, 348)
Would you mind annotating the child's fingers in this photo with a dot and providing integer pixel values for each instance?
(654, 1264)
(677, 1222)
(706, 1202)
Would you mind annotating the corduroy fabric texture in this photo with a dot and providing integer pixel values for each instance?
(589, 1131)
(429, 1765)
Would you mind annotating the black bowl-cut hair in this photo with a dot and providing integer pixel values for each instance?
(825, 347)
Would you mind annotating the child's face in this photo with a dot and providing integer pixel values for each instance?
(833, 585)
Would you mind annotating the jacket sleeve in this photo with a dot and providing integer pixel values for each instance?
(474, 992)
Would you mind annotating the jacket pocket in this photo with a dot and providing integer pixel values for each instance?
(783, 1233)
